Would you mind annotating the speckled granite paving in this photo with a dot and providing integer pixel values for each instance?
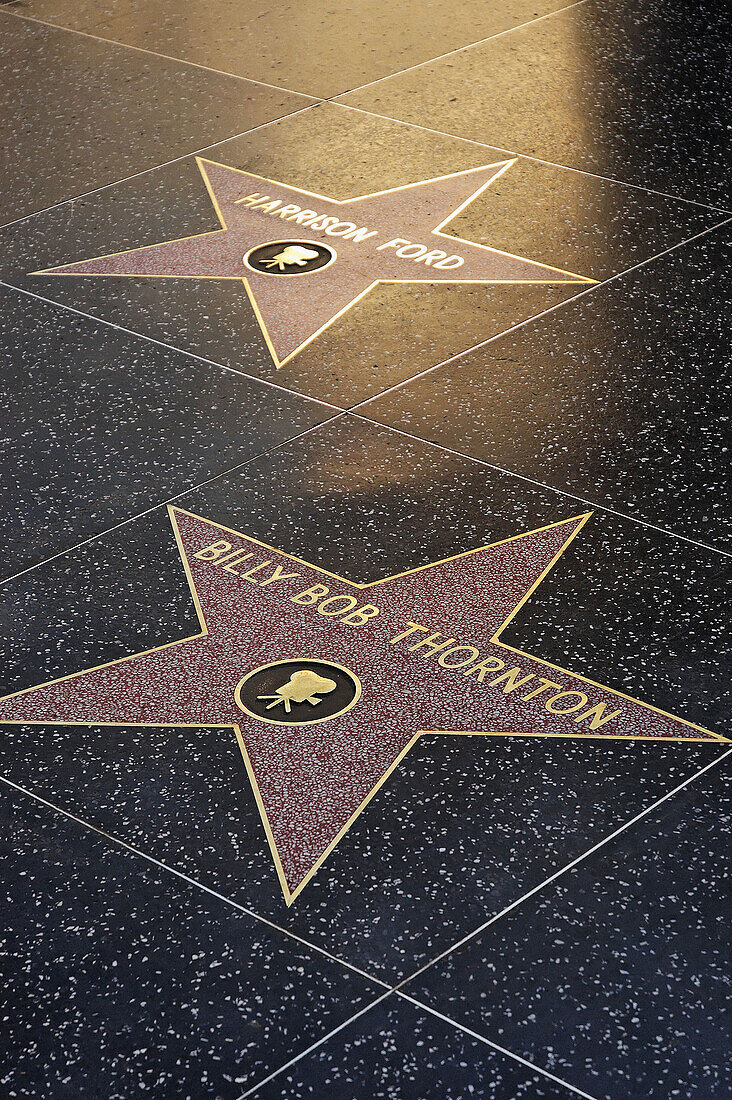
(364, 683)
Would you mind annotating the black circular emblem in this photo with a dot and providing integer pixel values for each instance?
(289, 257)
(298, 692)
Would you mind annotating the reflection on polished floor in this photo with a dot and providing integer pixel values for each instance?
(363, 702)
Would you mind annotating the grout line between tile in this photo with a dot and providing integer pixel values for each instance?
(223, 366)
(563, 870)
(280, 87)
(170, 347)
(162, 164)
(354, 409)
(433, 1012)
(550, 309)
(193, 882)
(338, 412)
(396, 989)
(461, 49)
(167, 500)
(154, 53)
(495, 1046)
(391, 389)
(336, 102)
(483, 343)
(544, 485)
(314, 1046)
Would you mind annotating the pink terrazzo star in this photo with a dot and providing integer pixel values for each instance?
(424, 646)
(393, 236)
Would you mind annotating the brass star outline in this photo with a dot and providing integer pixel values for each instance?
(291, 894)
(86, 267)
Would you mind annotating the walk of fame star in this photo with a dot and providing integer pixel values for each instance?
(327, 683)
(393, 236)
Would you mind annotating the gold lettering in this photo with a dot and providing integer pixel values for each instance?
(361, 615)
(597, 716)
(267, 207)
(310, 595)
(322, 221)
(457, 649)
(435, 254)
(407, 251)
(249, 576)
(359, 235)
(395, 242)
(340, 229)
(450, 262)
(546, 684)
(351, 602)
(490, 664)
(431, 643)
(212, 552)
(303, 217)
(510, 677)
(566, 710)
(413, 628)
(232, 558)
(278, 575)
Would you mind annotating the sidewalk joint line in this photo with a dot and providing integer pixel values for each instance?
(462, 49)
(162, 56)
(192, 881)
(171, 347)
(564, 870)
(496, 1046)
(529, 156)
(155, 167)
(168, 500)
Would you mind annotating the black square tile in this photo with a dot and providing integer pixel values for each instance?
(99, 424)
(120, 979)
(348, 42)
(615, 977)
(621, 397)
(634, 92)
(398, 1052)
(77, 113)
